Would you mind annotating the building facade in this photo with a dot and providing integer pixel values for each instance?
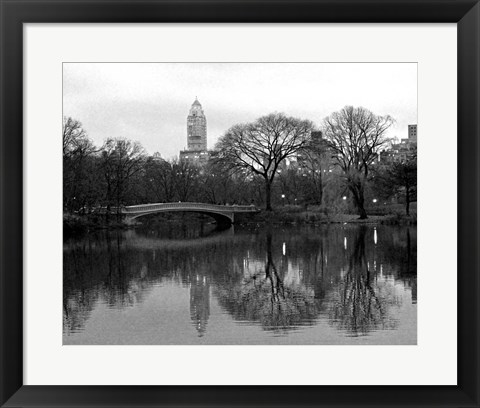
(412, 133)
(400, 152)
(196, 152)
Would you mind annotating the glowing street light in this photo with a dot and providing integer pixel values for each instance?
(344, 197)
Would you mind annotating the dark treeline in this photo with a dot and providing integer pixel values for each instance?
(274, 161)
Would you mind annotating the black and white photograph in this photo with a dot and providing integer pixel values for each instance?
(259, 203)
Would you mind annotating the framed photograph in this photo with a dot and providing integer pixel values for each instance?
(242, 211)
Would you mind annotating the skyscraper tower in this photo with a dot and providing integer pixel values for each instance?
(196, 152)
(196, 128)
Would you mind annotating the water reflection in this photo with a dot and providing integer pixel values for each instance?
(273, 296)
(360, 303)
(200, 303)
(277, 279)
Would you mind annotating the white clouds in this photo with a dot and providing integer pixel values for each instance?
(149, 102)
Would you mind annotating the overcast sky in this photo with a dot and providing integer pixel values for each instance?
(149, 102)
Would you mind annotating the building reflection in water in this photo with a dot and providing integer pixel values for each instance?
(352, 277)
(200, 303)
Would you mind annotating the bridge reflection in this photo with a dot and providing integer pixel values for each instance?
(276, 279)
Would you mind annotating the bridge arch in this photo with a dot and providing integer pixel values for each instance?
(220, 218)
(223, 214)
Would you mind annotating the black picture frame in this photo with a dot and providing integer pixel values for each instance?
(465, 13)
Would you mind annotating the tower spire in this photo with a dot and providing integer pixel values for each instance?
(196, 152)
(196, 127)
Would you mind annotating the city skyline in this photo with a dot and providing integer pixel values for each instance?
(150, 103)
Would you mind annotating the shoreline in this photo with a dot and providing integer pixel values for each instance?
(79, 224)
(306, 218)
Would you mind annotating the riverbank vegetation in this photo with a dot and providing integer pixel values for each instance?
(298, 173)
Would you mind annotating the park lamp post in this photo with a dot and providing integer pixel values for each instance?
(283, 200)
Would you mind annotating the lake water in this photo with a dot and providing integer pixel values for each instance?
(337, 284)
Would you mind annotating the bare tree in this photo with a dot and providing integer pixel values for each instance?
(171, 180)
(314, 165)
(218, 185)
(166, 180)
(260, 147)
(355, 136)
(77, 150)
(290, 182)
(400, 179)
(185, 176)
(74, 136)
(121, 160)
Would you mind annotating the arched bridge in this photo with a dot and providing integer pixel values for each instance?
(223, 214)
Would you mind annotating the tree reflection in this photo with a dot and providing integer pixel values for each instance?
(100, 271)
(279, 279)
(262, 296)
(77, 308)
(358, 303)
(401, 252)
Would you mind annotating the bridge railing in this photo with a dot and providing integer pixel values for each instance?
(132, 209)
